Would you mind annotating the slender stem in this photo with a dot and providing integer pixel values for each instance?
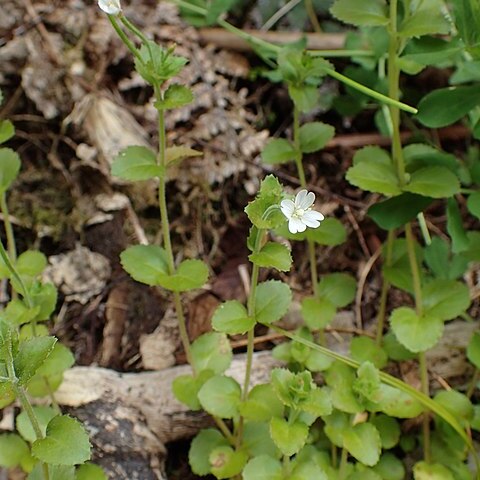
(417, 286)
(343, 464)
(426, 416)
(225, 430)
(473, 383)
(424, 228)
(124, 38)
(382, 309)
(12, 249)
(312, 16)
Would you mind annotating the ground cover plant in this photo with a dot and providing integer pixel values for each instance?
(320, 414)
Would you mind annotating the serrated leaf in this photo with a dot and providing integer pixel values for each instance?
(373, 171)
(288, 437)
(427, 20)
(262, 404)
(231, 317)
(272, 299)
(212, 351)
(363, 442)
(31, 355)
(473, 204)
(136, 163)
(145, 263)
(434, 182)
(66, 442)
(367, 383)
(278, 151)
(340, 378)
(220, 396)
(9, 168)
(361, 13)
(330, 233)
(445, 299)
(201, 447)
(314, 136)
(338, 288)
(416, 333)
(460, 100)
(273, 255)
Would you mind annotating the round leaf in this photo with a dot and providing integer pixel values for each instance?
(278, 150)
(262, 404)
(314, 136)
(364, 349)
(231, 317)
(274, 255)
(429, 471)
(226, 462)
(201, 447)
(272, 299)
(145, 263)
(330, 233)
(263, 467)
(190, 274)
(288, 437)
(445, 299)
(44, 415)
(363, 442)
(389, 430)
(9, 168)
(12, 450)
(212, 351)
(416, 333)
(434, 182)
(89, 471)
(220, 396)
(317, 312)
(338, 288)
(136, 163)
(66, 442)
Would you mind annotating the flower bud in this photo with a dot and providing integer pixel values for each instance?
(112, 7)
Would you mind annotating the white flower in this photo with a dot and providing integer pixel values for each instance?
(112, 7)
(299, 213)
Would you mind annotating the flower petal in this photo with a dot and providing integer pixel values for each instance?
(287, 207)
(296, 225)
(313, 215)
(300, 198)
(112, 7)
(308, 201)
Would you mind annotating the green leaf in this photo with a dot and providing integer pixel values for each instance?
(7, 130)
(373, 171)
(288, 437)
(457, 404)
(367, 384)
(371, 13)
(431, 471)
(66, 442)
(445, 299)
(437, 257)
(473, 350)
(220, 396)
(231, 317)
(226, 462)
(31, 355)
(270, 194)
(145, 263)
(189, 275)
(435, 182)
(363, 442)
(175, 154)
(455, 227)
(314, 136)
(466, 16)
(263, 467)
(305, 97)
(43, 296)
(12, 450)
(338, 288)
(44, 415)
(136, 163)
(216, 8)
(212, 351)
(397, 403)
(389, 430)
(18, 313)
(262, 404)
(201, 447)
(473, 204)
(395, 350)
(31, 263)
(397, 211)
(364, 349)
(56, 472)
(331, 233)
(336, 425)
(257, 440)
(59, 360)
(460, 100)
(278, 151)
(416, 333)
(428, 19)
(186, 388)
(340, 378)
(390, 467)
(272, 299)
(317, 312)
(9, 168)
(89, 471)
(318, 403)
(273, 255)
(175, 96)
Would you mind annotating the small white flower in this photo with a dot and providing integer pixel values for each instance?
(299, 213)
(112, 7)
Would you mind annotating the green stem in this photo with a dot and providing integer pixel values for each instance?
(12, 249)
(426, 416)
(124, 38)
(473, 383)
(312, 16)
(343, 464)
(382, 309)
(275, 49)
(417, 286)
